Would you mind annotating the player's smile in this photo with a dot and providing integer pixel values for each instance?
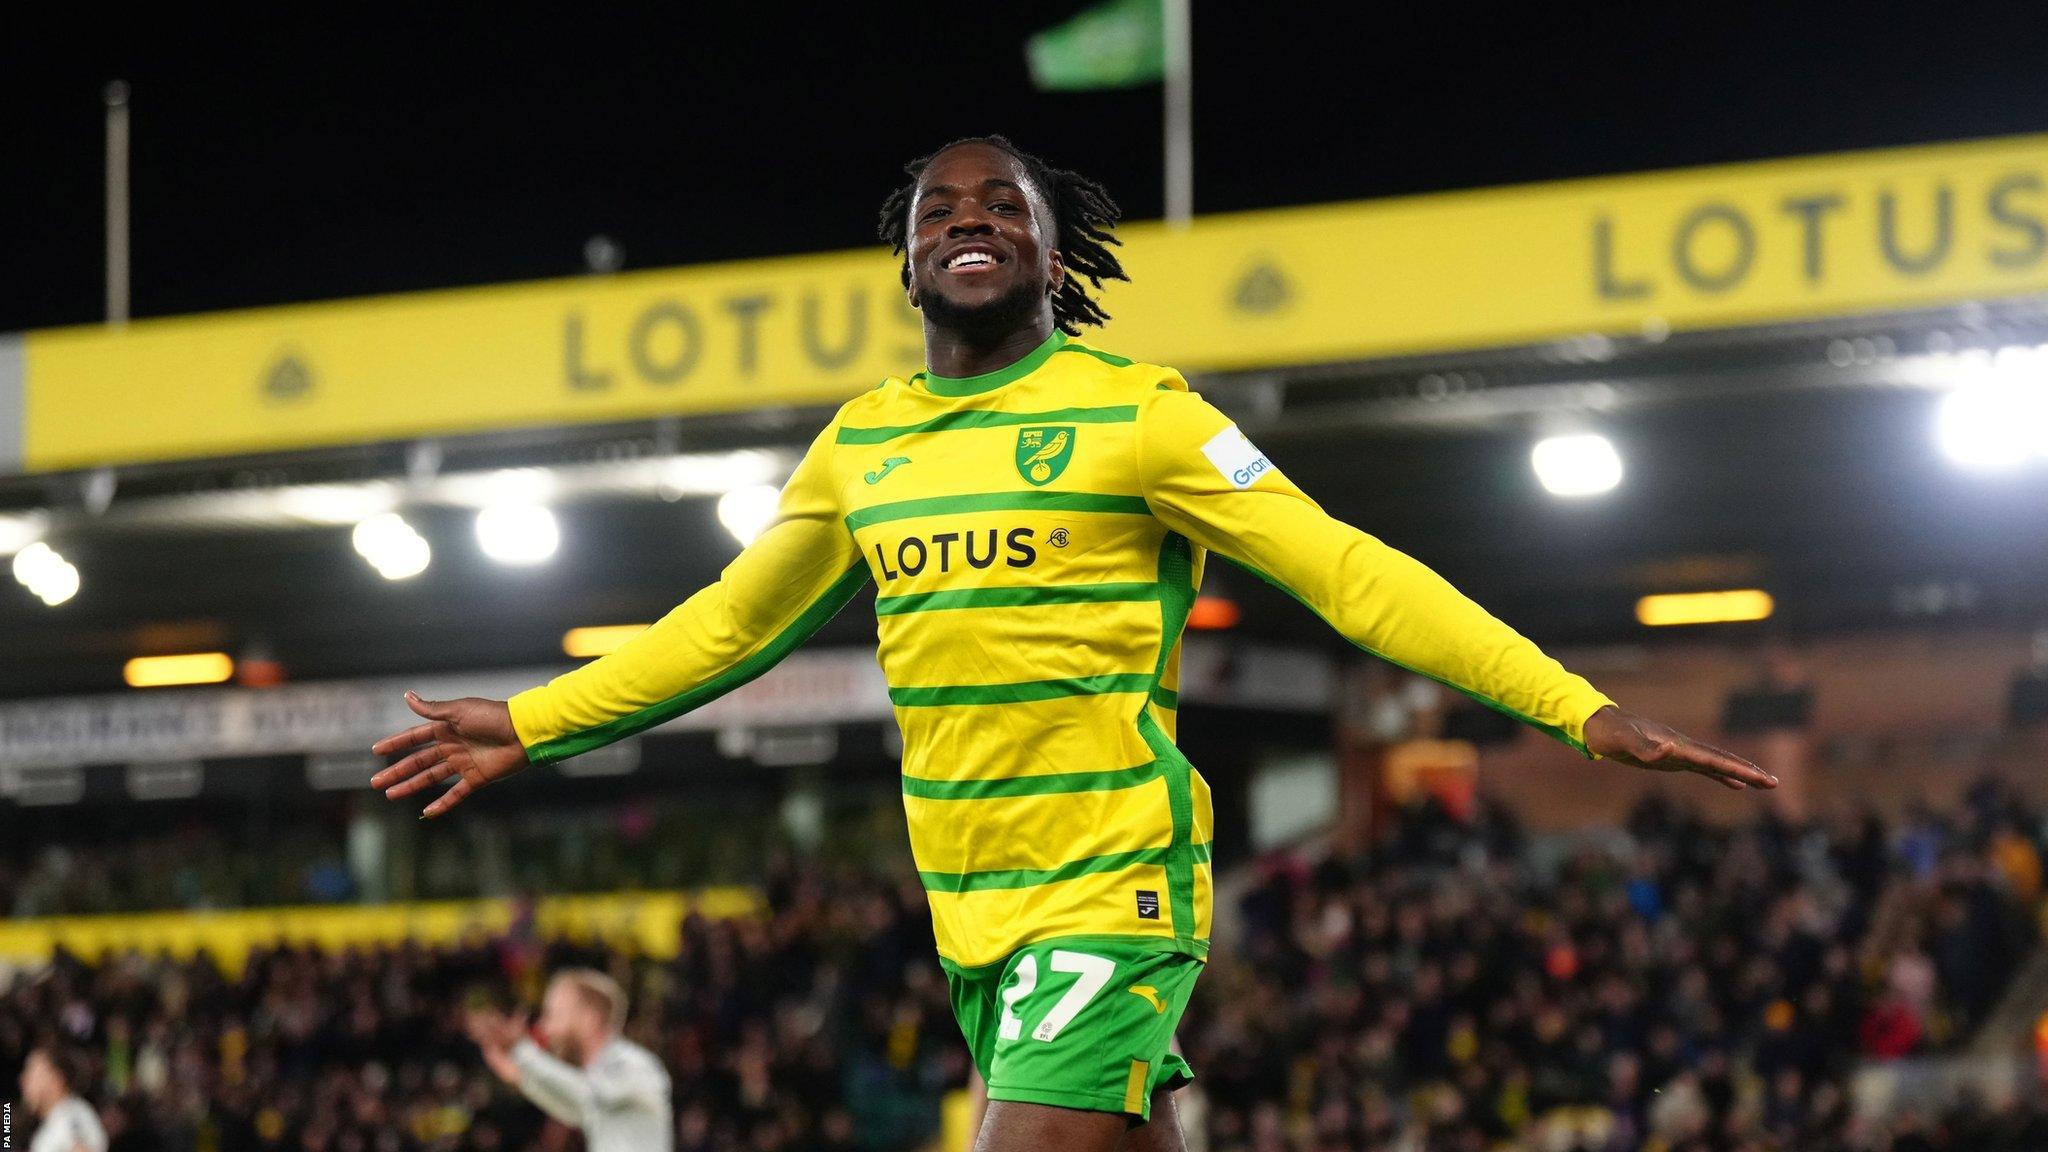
(973, 258)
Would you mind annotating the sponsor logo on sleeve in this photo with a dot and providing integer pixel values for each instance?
(1237, 458)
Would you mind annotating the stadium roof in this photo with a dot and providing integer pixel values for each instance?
(321, 153)
(1800, 459)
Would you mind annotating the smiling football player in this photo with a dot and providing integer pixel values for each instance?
(1036, 513)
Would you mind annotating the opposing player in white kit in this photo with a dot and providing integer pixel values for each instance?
(66, 1123)
(589, 1076)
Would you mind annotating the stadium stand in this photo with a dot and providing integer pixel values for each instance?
(1463, 984)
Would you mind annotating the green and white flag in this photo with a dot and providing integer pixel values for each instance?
(1116, 44)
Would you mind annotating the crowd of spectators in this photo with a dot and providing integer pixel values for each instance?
(1458, 986)
(825, 1027)
(1687, 988)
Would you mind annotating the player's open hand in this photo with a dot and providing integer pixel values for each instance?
(494, 1031)
(469, 739)
(1632, 739)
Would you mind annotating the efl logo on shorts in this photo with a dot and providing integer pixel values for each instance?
(1148, 905)
(1236, 457)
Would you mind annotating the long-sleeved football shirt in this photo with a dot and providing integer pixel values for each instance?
(1036, 535)
(620, 1102)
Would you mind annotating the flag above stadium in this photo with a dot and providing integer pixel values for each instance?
(1697, 249)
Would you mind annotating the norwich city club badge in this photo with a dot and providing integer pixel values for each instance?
(1042, 453)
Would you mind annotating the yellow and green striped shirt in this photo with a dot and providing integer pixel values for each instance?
(1036, 536)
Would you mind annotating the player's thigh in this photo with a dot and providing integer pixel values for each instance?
(1161, 1133)
(1011, 1126)
(1016, 1126)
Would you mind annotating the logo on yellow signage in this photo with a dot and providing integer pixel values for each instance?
(288, 378)
(1262, 289)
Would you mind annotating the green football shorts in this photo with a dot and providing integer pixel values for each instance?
(1081, 1022)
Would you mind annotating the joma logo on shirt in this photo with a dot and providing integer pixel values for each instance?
(939, 551)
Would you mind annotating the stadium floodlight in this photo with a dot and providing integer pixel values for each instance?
(716, 473)
(1213, 614)
(60, 585)
(1726, 607)
(1580, 464)
(518, 534)
(392, 546)
(171, 671)
(598, 640)
(483, 489)
(45, 573)
(334, 504)
(1997, 418)
(18, 532)
(747, 512)
(31, 561)
(1975, 428)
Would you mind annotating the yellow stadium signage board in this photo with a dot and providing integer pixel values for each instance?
(641, 922)
(1702, 248)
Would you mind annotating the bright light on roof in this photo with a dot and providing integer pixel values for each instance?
(45, 573)
(60, 585)
(510, 486)
(167, 671)
(335, 503)
(1582, 464)
(1727, 607)
(18, 532)
(392, 546)
(599, 639)
(747, 512)
(519, 534)
(32, 560)
(1213, 614)
(715, 473)
(1998, 417)
(1976, 428)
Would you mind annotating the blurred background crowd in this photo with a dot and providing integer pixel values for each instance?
(1458, 985)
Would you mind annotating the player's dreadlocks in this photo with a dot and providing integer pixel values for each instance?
(1082, 215)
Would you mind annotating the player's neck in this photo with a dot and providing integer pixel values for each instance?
(959, 355)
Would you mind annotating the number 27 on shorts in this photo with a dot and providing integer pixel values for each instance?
(1091, 975)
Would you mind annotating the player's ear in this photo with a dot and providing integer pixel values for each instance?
(1055, 272)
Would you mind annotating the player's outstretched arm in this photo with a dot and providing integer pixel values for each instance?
(557, 1087)
(470, 740)
(779, 590)
(1203, 479)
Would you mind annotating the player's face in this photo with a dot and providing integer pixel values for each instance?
(981, 248)
(39, 1082)
(563, 1022)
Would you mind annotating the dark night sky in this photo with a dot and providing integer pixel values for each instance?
(292, 161)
